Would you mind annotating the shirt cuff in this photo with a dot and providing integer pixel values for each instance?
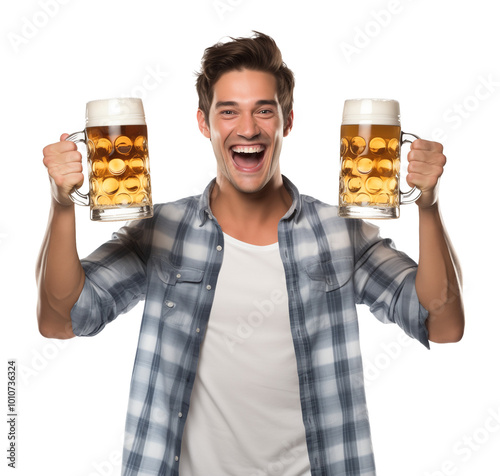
(84, 320)
(412, 320)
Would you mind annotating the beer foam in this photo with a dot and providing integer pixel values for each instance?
(115, 112)
(371, 111)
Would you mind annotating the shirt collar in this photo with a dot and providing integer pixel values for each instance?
(204, 211)
(296, 207)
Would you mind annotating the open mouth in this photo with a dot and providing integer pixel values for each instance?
(248, 157)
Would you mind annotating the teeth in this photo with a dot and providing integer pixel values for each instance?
(252, 149)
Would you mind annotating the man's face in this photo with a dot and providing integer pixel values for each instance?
(246, 129)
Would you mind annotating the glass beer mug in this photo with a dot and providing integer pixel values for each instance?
(370, 156)
(117, 155)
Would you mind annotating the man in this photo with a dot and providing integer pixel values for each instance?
(248, 359)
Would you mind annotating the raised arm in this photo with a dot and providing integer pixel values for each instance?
(439, 281)
(59, 274)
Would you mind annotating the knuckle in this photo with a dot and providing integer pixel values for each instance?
(74, 156)
(67, 145)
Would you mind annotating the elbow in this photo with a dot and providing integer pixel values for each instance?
(55, 333)
(449, 338)
(457, 337)
(52, 327)
(446, 321)
(450, 334)
(45, 330)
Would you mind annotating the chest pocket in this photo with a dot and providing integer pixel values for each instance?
(330, 275)
(172, 275)
(182, 291)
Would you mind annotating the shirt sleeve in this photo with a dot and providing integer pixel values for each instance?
(115, 279)
(384, 279)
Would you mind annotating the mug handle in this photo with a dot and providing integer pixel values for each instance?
(409, 194)
(75, 195)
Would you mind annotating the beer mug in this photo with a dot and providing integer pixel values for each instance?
(118, 165)
(370, 150)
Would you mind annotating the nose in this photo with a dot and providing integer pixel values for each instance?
(247, 127)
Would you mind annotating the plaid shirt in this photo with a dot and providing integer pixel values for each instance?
(172, 261)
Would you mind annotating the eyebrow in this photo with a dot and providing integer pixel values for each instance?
(261, 102)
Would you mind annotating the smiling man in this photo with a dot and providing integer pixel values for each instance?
(246, 129)
(248, 361)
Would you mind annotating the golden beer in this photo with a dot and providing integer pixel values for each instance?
(370, 163)
(118, 167)
(370, 160)
(117, 150)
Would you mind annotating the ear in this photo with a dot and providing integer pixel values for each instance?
(202, 124)
(288, 124)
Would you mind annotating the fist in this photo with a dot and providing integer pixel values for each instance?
(426, 163)
(64, 165)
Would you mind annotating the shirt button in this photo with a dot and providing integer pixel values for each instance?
(180, 414)
(219, 248)
(176, 458)
(169, 304)
(209, 287)
(178, 275)
(198, 330)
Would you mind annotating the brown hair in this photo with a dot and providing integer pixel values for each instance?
(259, 53)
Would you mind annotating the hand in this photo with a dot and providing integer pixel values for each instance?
(426, 165)
(64, 165)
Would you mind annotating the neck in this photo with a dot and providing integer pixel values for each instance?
(250, 217)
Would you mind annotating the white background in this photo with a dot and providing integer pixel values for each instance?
(432, 412)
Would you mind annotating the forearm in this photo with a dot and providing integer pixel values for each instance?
(438, 280)
(60, 276)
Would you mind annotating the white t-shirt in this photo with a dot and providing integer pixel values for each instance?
(245, 417)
